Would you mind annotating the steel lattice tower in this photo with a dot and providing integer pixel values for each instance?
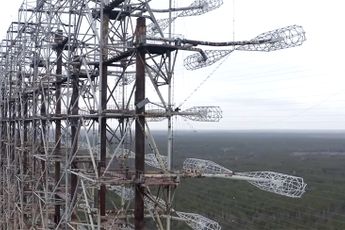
(75, 137)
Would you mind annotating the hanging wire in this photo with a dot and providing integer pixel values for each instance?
(217, 67)
(203, 82)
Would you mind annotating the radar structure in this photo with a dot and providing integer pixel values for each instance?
(76, 147)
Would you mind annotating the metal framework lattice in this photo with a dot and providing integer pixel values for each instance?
(125, 193)
(74, 112)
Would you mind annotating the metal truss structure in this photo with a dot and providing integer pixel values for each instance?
(74, 115)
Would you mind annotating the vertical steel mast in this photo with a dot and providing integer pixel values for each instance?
(80, 83)
(140, 33)
(103, 68)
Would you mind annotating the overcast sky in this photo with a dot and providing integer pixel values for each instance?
(297, 88)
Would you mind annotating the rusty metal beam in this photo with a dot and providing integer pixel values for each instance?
(58, 40)
(74, 107)
(103, 119)
(140, 124)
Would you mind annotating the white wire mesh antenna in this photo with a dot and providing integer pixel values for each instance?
(197, 61)
(195, 221)
(203, 113)
(198, 222)
(198, 7)
(196, 113)
(151, 160)
(199, 166)
(283, 38)
(278, 183)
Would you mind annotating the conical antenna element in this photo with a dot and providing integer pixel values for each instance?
(203, 113)
(199, 166)
(153, 161)
(195, 221)
(197, 61)
(195, 113)
(282, 38)
(274, 182)
(200, 7)
(198, 222)
(278, 183)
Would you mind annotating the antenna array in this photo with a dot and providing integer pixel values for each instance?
(74, 115)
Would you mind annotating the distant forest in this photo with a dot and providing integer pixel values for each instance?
(318, 157)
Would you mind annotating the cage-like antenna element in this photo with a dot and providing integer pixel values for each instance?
(195, 113)
(95, 72)
(198, 222)
(274, 182)
(283, 38)
(199, 166)
(195, 221)
(203, 113)
(152, 160)
(197, 60)
(278, 183)
(198, 7)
